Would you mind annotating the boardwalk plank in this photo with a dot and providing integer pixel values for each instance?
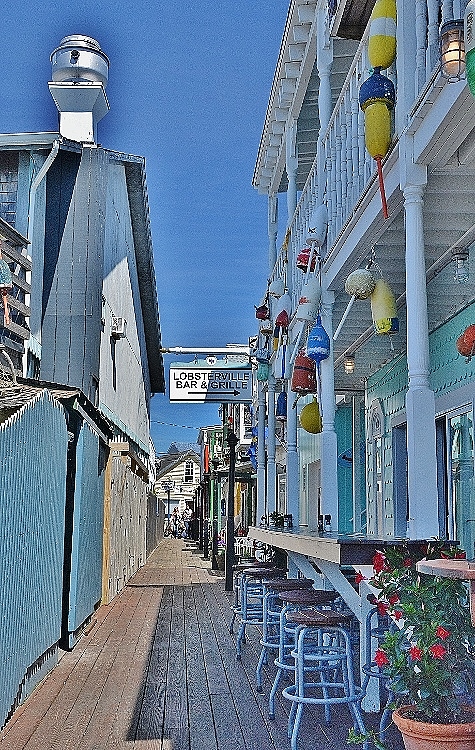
(157, 671)
(200, 715)
(151, 711)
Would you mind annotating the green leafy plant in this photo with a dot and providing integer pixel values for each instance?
(429, 652)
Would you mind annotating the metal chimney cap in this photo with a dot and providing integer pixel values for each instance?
(79, 58)
(75, 40)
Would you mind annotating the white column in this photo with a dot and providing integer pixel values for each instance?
(292, 464)
(272, 220)
(271, 464)
(324, 55)
(261, 452)
(291, 164)
(329, 497)
(420, 401)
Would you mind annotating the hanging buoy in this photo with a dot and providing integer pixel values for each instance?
(360, 284)
(382, 34)
(466, 342)
(262, 312)
(276, 338)
(309, 300)
(469, 40)
(318, 225)
(318, 343)
(310, 417)
(262, 373)
(283, 311)
(266, 327)
(277, 288)
(303, 259)
(304, 376)
(281, 407)
(383, 309)
(261, 354)
(377, 98)
(6, 285)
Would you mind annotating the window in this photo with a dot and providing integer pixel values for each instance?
(189, 469)
(8, 185)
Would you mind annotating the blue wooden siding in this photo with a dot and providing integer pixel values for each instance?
(88, 518)
(33, 449)
(73, 270)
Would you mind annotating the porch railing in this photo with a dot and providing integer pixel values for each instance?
(343, 169)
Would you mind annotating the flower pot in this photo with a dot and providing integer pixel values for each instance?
(419, 735)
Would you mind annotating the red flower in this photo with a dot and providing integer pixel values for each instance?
(379, 561)
(442, 633)
(407, 563)
(382, 608)
(380, 658)
(397, 614)
(438, 651)
(393, 599)
(416, 653)
(359, 577)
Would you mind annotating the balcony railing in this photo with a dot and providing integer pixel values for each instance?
(343, 169)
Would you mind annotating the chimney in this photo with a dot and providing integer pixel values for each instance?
(80, 71)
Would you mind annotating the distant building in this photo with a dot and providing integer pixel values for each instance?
(177, 478)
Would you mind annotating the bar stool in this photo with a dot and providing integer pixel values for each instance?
(271, 609)
(323, 667)
(293, 600)
(251, 599)
(238, 571)
(376, 626)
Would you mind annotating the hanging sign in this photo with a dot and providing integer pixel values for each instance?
(199, 385)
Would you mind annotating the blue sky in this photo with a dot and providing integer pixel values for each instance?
(188, 89)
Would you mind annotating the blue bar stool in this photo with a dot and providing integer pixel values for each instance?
(376, 627)
(323, 667)
(238, 576)
(251, 599)
(293, 600)
(271, 609)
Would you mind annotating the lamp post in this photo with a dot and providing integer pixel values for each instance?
(214, 563)
(167, 487)
(206, 508)
(232, 441)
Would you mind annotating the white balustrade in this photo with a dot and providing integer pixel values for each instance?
(346, 165)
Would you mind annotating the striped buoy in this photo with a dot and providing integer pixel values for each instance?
(377, 98)
(382, 34)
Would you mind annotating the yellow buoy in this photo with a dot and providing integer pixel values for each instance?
(310, 417)
(377, 129)
(382, 34)
(383, 308)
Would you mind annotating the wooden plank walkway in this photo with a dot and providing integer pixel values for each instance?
(157, 671)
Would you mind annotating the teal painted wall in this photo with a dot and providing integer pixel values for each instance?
(448, 372)
(344, 439)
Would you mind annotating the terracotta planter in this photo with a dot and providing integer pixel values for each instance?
(419, 735)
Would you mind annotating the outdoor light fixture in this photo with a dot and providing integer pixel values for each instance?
(452, 50)
(460, 256)
(349, 364)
